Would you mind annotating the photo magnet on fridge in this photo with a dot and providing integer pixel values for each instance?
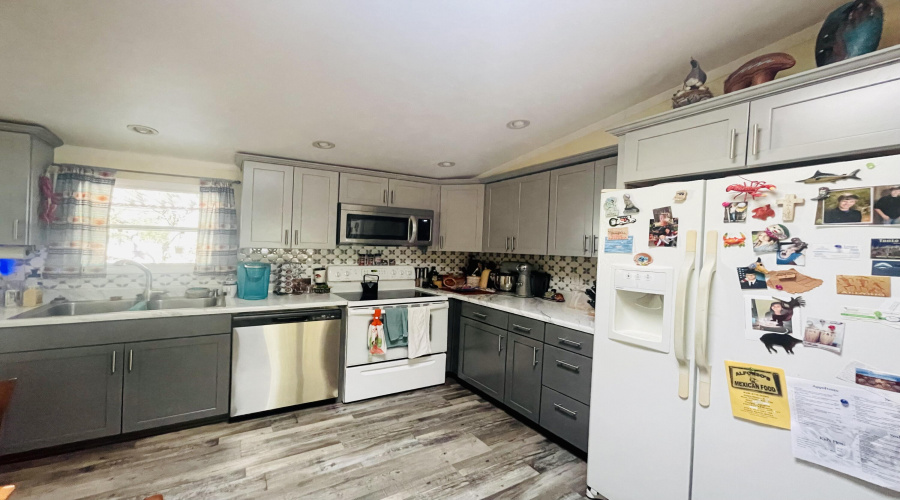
(663, 228)
(735, 211)
(824, 334)
(886, 248)
(878, 380)
(763, 243)
(790, 253)
(886, 268)
(771, 321)
(845, 207)
(751, 279)
(619, 246)
(887, 204)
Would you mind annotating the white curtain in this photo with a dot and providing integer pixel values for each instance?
(217, 242)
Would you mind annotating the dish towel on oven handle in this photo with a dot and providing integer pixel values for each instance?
(419, 324)
(375, 334)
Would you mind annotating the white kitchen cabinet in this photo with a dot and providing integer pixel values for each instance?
(856, 113)
(314, 221)
(707, 142)
(266, 205)
(605, 176)
(408, 194)
(288, 207)
(360, 189)
(23, 159)
(516, 212)
(571, 211)
(461, 218)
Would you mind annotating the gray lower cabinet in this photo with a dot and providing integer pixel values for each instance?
(482, 359)
(565, 417)
(176, 380)
(523, 375)
(62, 396)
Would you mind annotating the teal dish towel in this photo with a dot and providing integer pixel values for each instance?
(140, 306)
(396, 329)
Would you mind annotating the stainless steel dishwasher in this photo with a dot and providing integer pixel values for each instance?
(284, 359)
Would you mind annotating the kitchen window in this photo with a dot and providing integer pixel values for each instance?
(154, 220)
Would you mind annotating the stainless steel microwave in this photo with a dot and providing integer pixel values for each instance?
(388, 226)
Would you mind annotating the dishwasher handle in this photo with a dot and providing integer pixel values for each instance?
(286, 317)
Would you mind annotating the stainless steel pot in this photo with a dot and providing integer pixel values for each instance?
(506, 282)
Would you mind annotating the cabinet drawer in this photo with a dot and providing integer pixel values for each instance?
(570, 340)
(526, 327)
(487, 315)
(567, 373)
(565, 417)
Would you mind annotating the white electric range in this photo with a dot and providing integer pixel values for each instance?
(366, 375)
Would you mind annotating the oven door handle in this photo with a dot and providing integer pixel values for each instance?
(368, 311)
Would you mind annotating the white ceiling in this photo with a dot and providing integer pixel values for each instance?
(398, 85)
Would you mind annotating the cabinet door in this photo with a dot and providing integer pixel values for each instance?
(266, 205)
(174, 381)
(62, 396)
(315, 209)
(533, 214)
(708, 142)
(523, 375)
(482, 357)
(15, 167)
(570, 229)
(408, 194)
(857, 113)
(462, 218)
(501, 215)
(605, 176)
(364, 189)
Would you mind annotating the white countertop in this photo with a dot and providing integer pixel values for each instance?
(557, 313)
(232, 306)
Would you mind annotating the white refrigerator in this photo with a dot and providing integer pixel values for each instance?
(661, 422)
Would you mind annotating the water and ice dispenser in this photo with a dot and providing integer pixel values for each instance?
(642, 312)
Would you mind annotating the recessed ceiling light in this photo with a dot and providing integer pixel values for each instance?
(517, 124)
(143, 129)
(446, 164)
(323, 145)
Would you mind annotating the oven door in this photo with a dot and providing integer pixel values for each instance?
(389, 226)
(359, 318)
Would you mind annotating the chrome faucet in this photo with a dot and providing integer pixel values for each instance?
(148, 276)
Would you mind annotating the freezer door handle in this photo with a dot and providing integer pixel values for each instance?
(687, 269)
(701, 338)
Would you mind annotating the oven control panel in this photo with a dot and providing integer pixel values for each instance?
(384, 273)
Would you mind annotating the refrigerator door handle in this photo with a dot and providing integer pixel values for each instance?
(687, 269)
(701, 339)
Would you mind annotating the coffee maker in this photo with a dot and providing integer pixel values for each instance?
(523, 284)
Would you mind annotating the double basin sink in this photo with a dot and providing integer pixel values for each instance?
(78, 308)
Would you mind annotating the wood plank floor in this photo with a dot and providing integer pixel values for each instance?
(441, 442)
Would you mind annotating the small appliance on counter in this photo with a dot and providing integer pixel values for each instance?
(540, 283)
(507, 276)
(523, 283)
(253, 280)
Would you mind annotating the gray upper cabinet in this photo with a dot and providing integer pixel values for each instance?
(176, 380)
(482, 357)
(856, 113)
(461, 218)
(408, 194)
(23, 158)
(516, 213)
(706, 142)
(62, 396)
(285, 207)
(524, 363)
(571, 211)
(266, 205)
(314, 220)
(360, 189)
(605, 177)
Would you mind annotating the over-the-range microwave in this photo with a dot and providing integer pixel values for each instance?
(388, 226)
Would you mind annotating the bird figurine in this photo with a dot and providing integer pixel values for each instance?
(696, 78)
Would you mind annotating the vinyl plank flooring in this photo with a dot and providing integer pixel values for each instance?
(439, 442)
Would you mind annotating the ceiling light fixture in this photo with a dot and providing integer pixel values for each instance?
(143, 129)
(323, 145)
(446, 164)
(518, 124)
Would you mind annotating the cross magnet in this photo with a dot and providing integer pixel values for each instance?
(787, 206)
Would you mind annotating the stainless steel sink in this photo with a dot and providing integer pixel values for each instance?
(79, 308)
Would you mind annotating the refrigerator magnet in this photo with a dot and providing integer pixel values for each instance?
(824, 334)
(643, 259)
(663, 228)
(791, 281)
(629, 205)
(768, 320)
(617, 233)
(872, 286)
(619, 246)
(610, 208)
(790, 253)
(758, 266)
(763, 213)
(778, 231)
(751, 189)
(680, 195)
(886, 268)
(758, 394)
(750, 279)
(787, 205)
(733, 241)
(735, 211)
(823, 194)
(763, 243)
(621, 220)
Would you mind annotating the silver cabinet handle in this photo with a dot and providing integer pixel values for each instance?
(569, 342)
(565, 410)
(287, 236)
(514, 243)
(16, 229)
(534, 356)
(296, 236)
(130, 359)
(442, 242)
(754, 140)
(567, 365)
(392, 197)
(384, 196)
(586, 240)
(479, 315)
(731, 152)
(114, 362)
(596, 243)
(507, 243)
(499, 344)
(521, 328)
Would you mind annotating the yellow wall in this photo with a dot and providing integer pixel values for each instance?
(137, 162)
(800, 46)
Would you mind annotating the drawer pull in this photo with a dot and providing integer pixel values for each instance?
(534, 356)
(499, 344)
(567, 365)
(565, 410)
(114, 363)
(479, 315)
(521, 328)
(570, 342)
